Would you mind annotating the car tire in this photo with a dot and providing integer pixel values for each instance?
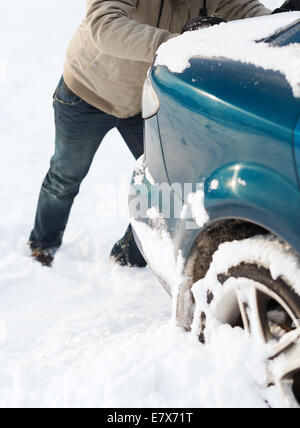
(200, 259)
(250, 294)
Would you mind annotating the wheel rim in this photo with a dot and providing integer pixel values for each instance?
(266, 317)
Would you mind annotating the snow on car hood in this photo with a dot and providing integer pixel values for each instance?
(237, 41)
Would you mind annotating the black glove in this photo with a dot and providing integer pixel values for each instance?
(202, 22)
(288, 6)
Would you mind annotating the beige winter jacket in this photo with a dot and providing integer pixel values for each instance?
(110, 53)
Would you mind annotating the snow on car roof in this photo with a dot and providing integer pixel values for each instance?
(237, 40)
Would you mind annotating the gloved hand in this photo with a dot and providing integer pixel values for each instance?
(203, 22)
(288, 6)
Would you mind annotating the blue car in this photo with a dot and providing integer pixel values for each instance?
(215, 201)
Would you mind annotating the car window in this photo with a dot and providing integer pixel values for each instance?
(288, 35)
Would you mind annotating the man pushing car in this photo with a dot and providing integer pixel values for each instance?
(101, 88)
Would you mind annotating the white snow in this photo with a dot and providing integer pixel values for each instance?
(88, 333)
(268, 252)
(194, 208)
(214, 185)
(139, 171)
(196, 202)
(237, 41)
(272, 4)
(242, 182)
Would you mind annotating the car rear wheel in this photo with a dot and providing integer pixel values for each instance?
(251, 295)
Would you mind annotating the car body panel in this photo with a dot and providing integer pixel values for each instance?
(153, 151)
(226, 122)
(297, 148)
(258, 194)
(234, 128)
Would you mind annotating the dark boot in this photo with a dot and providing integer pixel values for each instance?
(44, 257)
(126, 252)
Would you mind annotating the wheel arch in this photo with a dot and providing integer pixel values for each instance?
(202, 247)
(257, 194)
(242, 200)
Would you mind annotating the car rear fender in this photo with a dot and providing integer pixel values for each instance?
(297, 148)
(255, 193)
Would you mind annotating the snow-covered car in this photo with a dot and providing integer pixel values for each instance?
(215, 201)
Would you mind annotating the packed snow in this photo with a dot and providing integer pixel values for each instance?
(88, 333)
(237, 41)
(267, 251)
(196, 202)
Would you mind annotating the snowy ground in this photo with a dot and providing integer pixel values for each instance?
(87, 333)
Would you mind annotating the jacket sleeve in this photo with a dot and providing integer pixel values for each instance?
(239, 9)
(115, 33)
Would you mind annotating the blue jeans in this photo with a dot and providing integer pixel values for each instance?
(80, 128)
